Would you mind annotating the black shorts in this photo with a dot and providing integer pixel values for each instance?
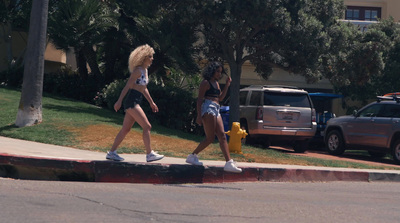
(133, 98)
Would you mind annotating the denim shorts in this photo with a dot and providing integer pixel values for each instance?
(210, 107)
(133, 98)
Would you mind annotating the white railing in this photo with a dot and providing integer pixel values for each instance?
(361, 24)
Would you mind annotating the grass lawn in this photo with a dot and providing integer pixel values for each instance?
(84, 126)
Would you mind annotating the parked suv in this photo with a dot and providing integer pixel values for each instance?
(276, 114)
(375, 128)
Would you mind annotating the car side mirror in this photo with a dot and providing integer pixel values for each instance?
(355, 113)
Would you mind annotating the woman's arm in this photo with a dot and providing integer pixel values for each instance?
(135, 75)
(225, 90)
(153, 105)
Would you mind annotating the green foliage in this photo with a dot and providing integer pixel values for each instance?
(365, 62)
(109, 94)
(15, 12)
(176, 79)
(12, 77)
(177, 108)
(161, 24)
(70, 84)
(81, 25)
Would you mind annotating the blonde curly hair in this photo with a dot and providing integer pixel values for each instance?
(138, 55)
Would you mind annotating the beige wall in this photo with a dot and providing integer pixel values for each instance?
(279, 77)
(389, 7)
(18, 44)
(53, 57)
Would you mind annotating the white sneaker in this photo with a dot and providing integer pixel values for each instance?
(193, 159)
(230, 166)
(153, 156)
(114, 156)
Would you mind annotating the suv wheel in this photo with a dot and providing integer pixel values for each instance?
(396, 152)
(334, 142)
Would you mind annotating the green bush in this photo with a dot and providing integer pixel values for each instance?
(12, 77)
(177, 108)
(70, 84)
(109, 94)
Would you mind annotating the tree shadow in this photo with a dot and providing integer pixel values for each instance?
(8, 127)
(103, 114)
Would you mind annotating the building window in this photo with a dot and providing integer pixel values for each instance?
(363, 13)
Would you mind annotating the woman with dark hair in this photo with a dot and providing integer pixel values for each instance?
(208, 115)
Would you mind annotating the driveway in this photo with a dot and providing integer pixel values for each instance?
(351, 156)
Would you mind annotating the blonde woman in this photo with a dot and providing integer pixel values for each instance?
(136, 87)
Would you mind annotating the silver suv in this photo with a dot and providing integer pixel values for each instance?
(376, 128)
(276, 114)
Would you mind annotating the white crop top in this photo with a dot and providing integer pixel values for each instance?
(142, 80)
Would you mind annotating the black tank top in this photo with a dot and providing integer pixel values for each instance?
(212, 92)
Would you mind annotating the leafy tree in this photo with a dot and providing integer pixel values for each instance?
(81, 24)
(288, 34)
(367, 62)
(160, 24)
(30, 105)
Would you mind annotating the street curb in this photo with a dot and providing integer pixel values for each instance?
(33, 168)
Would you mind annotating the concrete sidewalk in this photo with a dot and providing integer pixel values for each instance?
(22, 159)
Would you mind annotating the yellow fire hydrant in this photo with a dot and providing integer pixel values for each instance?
(236, 134)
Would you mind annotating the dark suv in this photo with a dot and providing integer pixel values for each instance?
(376, 128)
(276, 114)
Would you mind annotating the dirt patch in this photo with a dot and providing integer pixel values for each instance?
(95, 137)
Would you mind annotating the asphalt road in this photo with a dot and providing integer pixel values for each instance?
(44, 201)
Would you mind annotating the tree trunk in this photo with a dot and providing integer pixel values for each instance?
(30, 105)
(90, 55)
(81, 62)
(236, 71)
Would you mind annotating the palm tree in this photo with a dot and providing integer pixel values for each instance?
(81, 24)
(30, 106)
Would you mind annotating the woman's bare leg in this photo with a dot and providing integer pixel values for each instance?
(140, 117)
(223, 143)
(126, 127)
(209, 123)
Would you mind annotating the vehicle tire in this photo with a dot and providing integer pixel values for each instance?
(376, 154)
(396, 152)
(300, 146)
(335, 143)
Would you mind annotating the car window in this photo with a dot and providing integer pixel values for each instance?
(255, 98)
(371, 111)
(242, 97)
(390, 111)
(286, 99)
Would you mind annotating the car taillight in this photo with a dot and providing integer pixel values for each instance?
(259, 114)
(314, 116)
